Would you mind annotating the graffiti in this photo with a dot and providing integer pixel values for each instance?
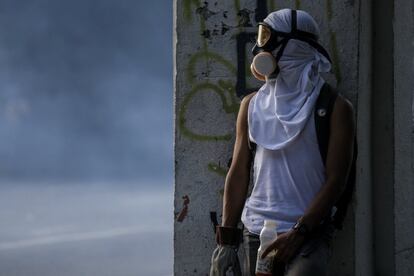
(183, 213)
(243, 39)
(335, 57)
(188, 7)
(329, 12)
(261, 10)
(223, 88)
(206, 56)
(333, 43)
(217, 169)
(228, 91)
(237, 5)
(228, 107)
(214, 221)
(204, 11)
(271, 5)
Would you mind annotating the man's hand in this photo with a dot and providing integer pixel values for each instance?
(286, 245)
(225, 261)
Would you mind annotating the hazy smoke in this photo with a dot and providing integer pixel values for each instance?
(85, 89)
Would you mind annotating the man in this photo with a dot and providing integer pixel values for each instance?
(292, 184)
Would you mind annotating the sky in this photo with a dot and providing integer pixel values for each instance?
(86, 89)
(86, 131)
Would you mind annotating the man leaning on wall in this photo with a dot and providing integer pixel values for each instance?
(297, 182)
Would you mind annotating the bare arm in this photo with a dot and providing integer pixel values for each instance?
(338, 163)
(237, 180)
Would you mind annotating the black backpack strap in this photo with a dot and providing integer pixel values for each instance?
(345, 199)
(323, 110)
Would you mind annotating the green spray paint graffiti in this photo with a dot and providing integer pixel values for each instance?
(224, 88)
(271, 5)
(297, 4)
(237, 5)
(335, 56)
(329, 10)
(217, 169)
(188, 6)
(228, 107)
(333, 43)
(206, 56)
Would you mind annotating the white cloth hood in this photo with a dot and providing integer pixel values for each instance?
(280, 110)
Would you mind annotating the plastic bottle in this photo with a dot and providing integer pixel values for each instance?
(268, 234)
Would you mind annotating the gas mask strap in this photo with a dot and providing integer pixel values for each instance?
(294, 21)
(306, 35)
(282, 48)
(318, 47)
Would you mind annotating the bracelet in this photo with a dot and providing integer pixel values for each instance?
(228, 235)
(302, 229)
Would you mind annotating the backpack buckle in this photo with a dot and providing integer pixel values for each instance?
(322, 112)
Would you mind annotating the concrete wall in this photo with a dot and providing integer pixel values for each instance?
(212, 54)
(363, 194)
(392, 189)
(371, 43)
(382, 138)
(404, 137)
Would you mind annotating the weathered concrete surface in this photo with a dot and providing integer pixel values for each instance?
(404, 137)
(382, 137)
(212, 55)
(363, 194)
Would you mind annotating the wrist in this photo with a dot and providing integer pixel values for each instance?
(228, 235)
(301, 229)
(228, 225)
(229, 222)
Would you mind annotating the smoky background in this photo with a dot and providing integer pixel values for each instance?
(86, 137)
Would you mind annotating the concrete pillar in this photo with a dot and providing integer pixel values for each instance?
(391, 138)
(364, 261)
(371, 46)
(403, 137)
(382, 138)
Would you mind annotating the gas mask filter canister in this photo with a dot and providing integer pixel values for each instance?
(263, 65)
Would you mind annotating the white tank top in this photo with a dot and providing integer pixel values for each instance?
(285, 182)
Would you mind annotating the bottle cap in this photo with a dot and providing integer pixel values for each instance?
(270, 223)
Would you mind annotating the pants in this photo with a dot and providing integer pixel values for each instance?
(312, 258)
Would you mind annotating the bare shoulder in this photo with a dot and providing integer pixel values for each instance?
(343, 117)
(343, 107)
(246, 99)
(245, 102)
(243, 113)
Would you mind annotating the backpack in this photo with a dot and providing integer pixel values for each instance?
(322, 115)
(326, 102)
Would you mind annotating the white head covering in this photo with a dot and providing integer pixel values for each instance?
(282, 107)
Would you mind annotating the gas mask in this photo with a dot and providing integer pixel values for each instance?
(270, 42)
